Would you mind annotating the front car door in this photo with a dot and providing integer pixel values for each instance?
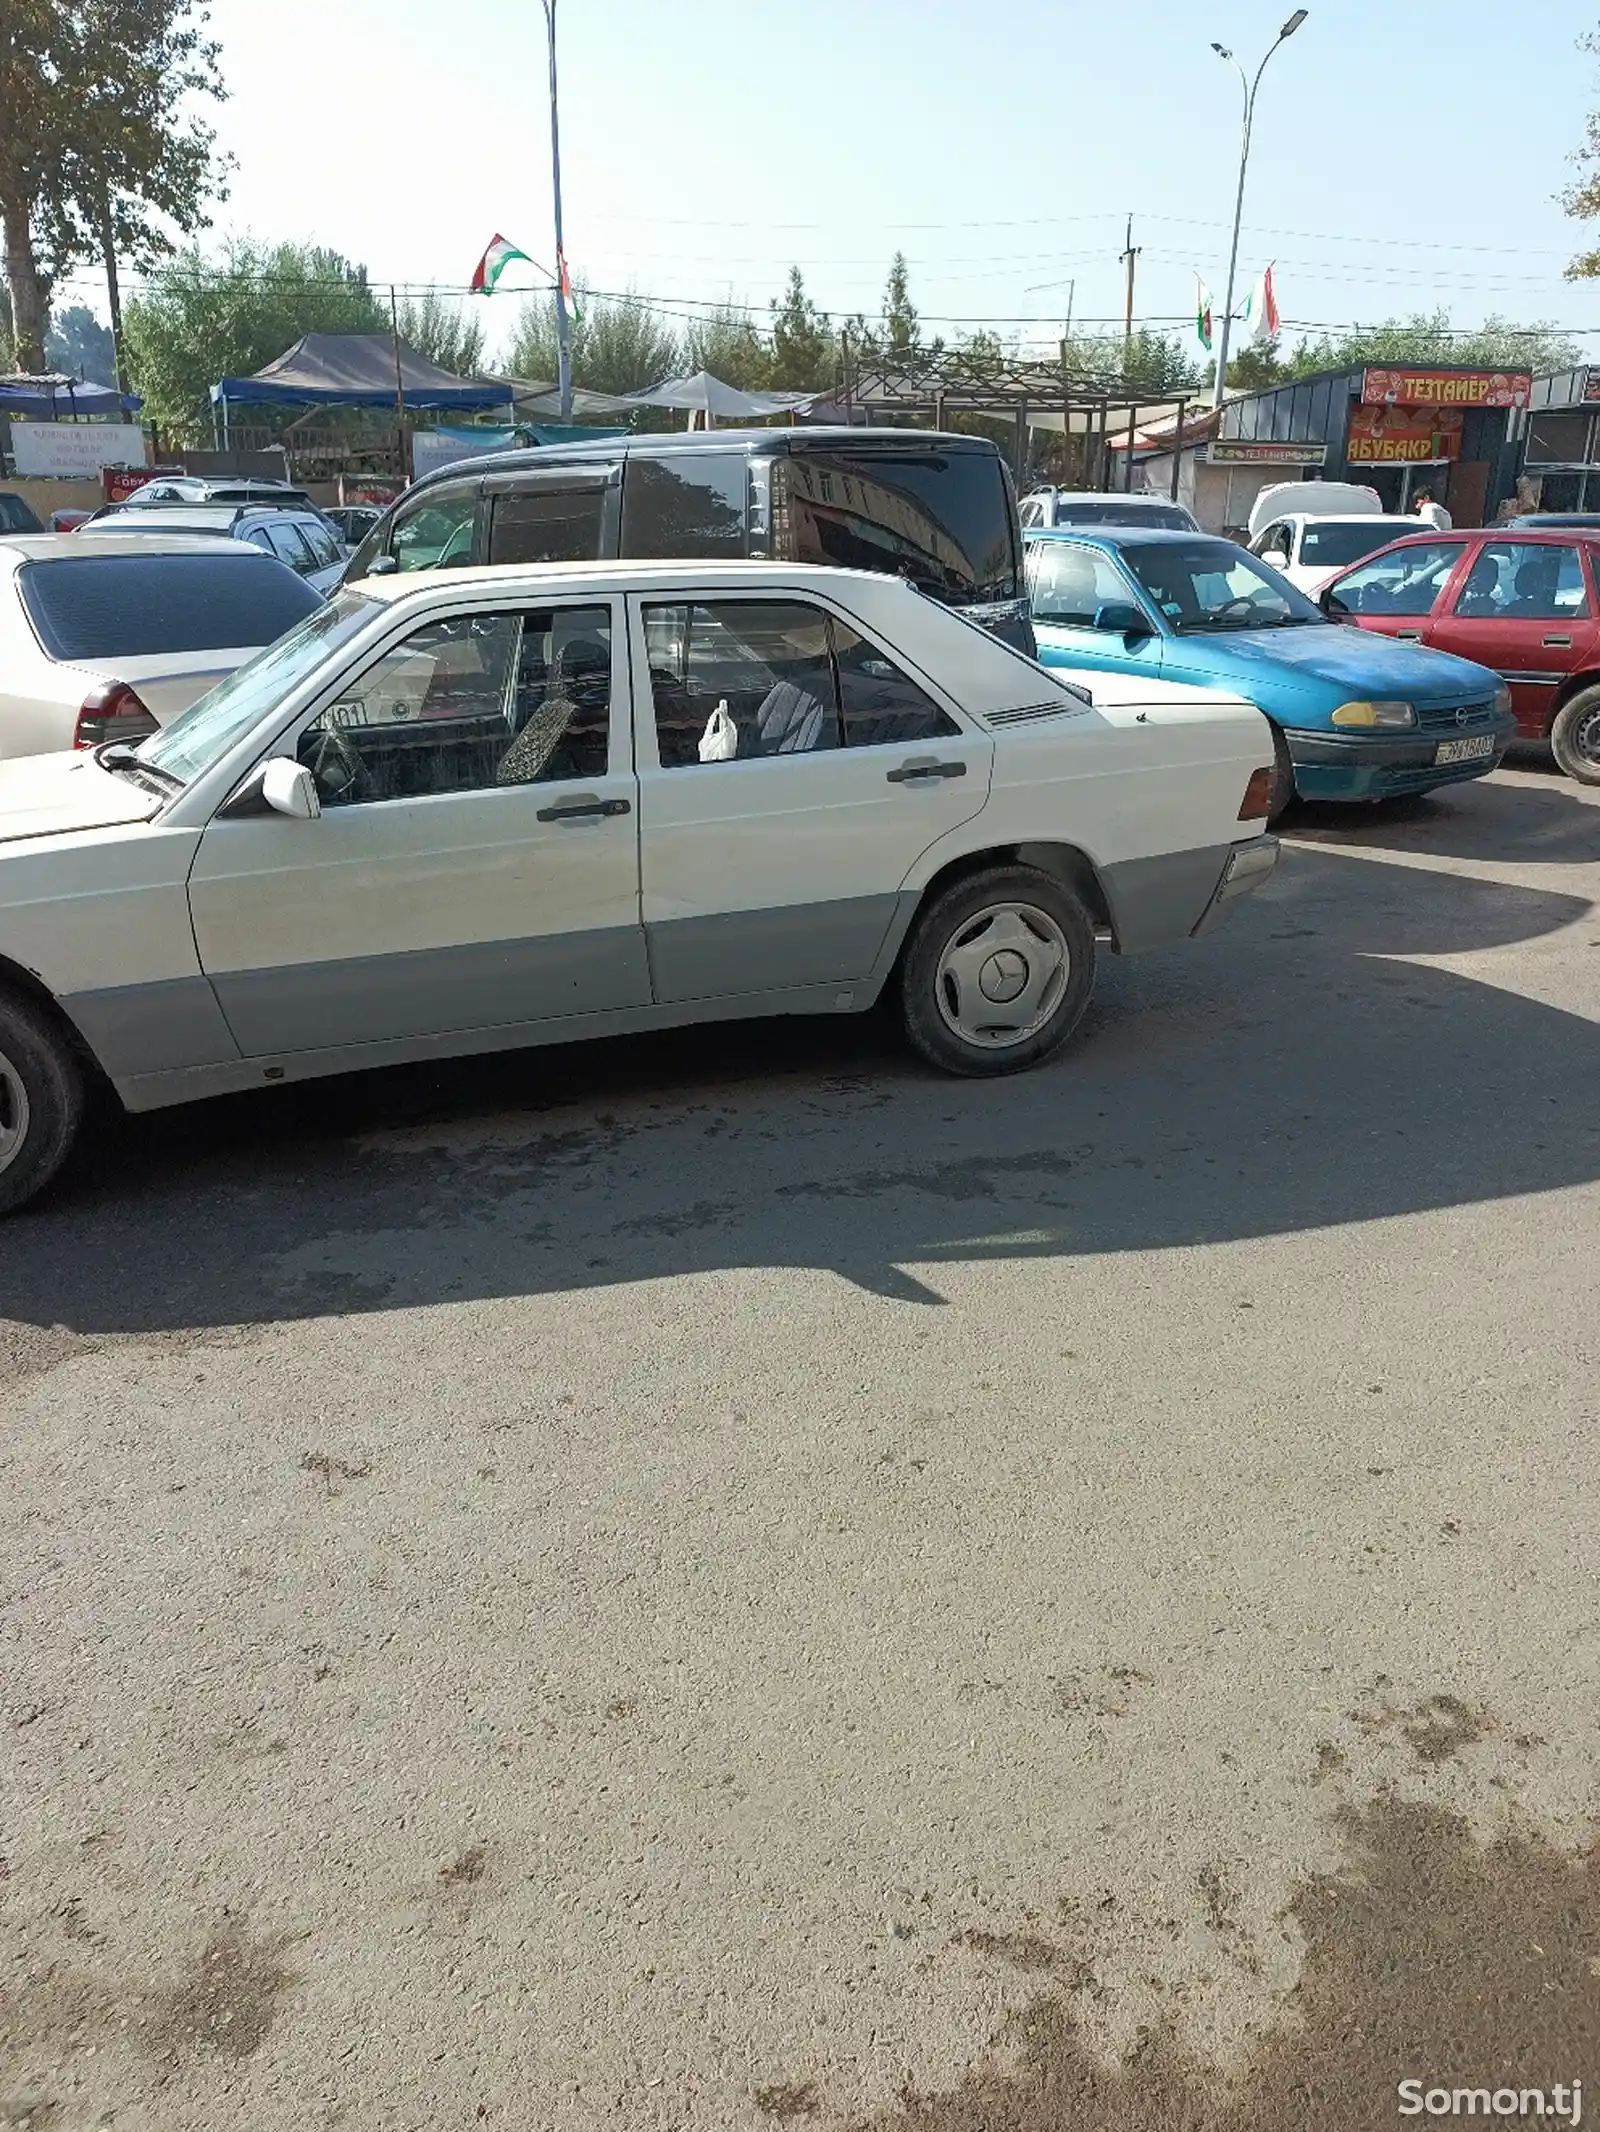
(1396, 592)
(791, 773)
(475, 864)
(1527, 609)
(1069, 583)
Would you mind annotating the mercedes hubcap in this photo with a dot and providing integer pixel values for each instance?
(1002, 975)
(1586, 737)
(13, 1113)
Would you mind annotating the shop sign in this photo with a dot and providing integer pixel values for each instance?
(1446, 388)
(74, 451)
(119, 482)
(1264, 451)
(1591, 386)
(1388, 436)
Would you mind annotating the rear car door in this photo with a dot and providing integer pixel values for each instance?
(1069, 583)
(1397, 592)
(1527, 609)
(475, 864)
(791, 773)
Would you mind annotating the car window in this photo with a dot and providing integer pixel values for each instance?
(1278, 536)
(16, 517)
(290, 546)
(321, 541)
(1406, 581)
(944, 520)
(880, 706)
(1344, 540)
(1206, 584)
(740, 679)
(140, 606)
(1069, 582)
(1154, 517)
(1032, 512)
(691, 505)
(436, 534)
(1524, 581)
(473, 703)
(547, 525)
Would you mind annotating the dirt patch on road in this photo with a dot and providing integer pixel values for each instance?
(1428, 1957)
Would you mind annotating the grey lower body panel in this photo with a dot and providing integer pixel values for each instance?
(758, 951)
(438, 991)
(153, 1028)
(1156, 902)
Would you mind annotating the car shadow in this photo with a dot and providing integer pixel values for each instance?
(1285, 1074)
(1525, 817)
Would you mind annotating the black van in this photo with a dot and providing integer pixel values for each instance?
(936, 509)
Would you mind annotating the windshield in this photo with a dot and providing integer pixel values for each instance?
(205, 732)
(1154, 517)
(1346, 540)
(1212, 585)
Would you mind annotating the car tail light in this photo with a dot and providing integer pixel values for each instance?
(112, 712)
(1257, 802)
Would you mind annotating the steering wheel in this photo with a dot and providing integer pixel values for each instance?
(334, 764)
(1245, 602)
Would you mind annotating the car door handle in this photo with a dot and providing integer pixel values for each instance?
(1563, 643)
(1409, 636)
(914, 772)
(582, 810)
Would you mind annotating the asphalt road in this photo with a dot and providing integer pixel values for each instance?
(725, 1581)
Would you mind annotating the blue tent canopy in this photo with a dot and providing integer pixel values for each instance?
(356, 370)
(58, 399)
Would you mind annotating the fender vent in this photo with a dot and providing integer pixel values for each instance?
(1032, 713)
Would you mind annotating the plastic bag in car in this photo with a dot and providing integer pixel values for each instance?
(720, 740)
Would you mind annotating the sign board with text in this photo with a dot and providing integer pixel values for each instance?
(119, 482)
(74, 451)
(1264, 451)
(1392, 436)
(1446, 388)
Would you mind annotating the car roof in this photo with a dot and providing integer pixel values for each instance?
(1133, 496)
(69, 547)
(633, 575)
(1347, 518)
(1110, 536)
(1525, 536)
(200, 516)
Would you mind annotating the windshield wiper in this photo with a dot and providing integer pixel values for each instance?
(124, 755)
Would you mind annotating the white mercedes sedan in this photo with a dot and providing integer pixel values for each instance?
(456, 812)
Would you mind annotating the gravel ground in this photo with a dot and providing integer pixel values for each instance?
(723, 1581)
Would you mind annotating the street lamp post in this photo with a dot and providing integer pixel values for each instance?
(563, 327)
(1250, 88)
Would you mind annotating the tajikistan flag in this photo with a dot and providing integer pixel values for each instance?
(494, 263)
(1202, 313)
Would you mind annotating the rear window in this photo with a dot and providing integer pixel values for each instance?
(1345, 541)
(16, 517)
(690, 506)
(944, 520)
(1154, 517)
(136, 606)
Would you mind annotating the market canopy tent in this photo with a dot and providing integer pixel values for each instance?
(49, 398)
(705, 395)
(357, 370)
(534, 401)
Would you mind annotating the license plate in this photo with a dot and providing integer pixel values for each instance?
(1464, 750)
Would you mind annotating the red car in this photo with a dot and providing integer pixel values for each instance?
(1525, 604)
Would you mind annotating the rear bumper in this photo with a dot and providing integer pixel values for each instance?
(1154, 903)
(1353, 766)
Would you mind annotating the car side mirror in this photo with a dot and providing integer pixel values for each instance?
(1277, 557)
(1332, 606)
(289, 788)
(382, 566)
(1122, 617)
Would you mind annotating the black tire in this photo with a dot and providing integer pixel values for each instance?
(934, 1003)
(1281, 796)
(41, 1100)
(1575, 737)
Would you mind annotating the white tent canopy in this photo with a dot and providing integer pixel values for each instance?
(705, 395)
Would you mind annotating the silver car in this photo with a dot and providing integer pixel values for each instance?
(301, 538)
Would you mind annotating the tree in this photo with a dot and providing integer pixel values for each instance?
(619, 344)
(725, 342)
(444, 332)
(1157, 363)
(1582, 200)
(80, 347)
(201, 320)
(804, 352)
(1427, 337)
(900, 342)
(100, 146)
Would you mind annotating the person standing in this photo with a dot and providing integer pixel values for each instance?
(1431, 512)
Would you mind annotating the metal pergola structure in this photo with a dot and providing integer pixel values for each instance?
(1086, 410)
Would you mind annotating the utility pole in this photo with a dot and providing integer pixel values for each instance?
(1130, 258)
(563, 328)
(108, 244)
(399, 384)
(1250, 88)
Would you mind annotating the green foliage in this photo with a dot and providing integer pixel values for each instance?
(1582, 199)
(98, 126)
(201, 320)
(804, 351)
(443, 331)
(1254, 367)
(1426, 337)
(80, 347)
(899, 340)
(1157, 363)
(619, 344)
(725, 342)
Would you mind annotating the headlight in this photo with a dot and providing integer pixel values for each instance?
(1370, 714)
(1501, 705)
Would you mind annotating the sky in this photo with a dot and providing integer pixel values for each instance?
(1405, 157)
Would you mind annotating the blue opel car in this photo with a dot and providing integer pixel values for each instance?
(1355, 716)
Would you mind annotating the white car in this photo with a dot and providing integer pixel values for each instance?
(1311, 550)
(457, 812)
(114, 640)
(1105, 507)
